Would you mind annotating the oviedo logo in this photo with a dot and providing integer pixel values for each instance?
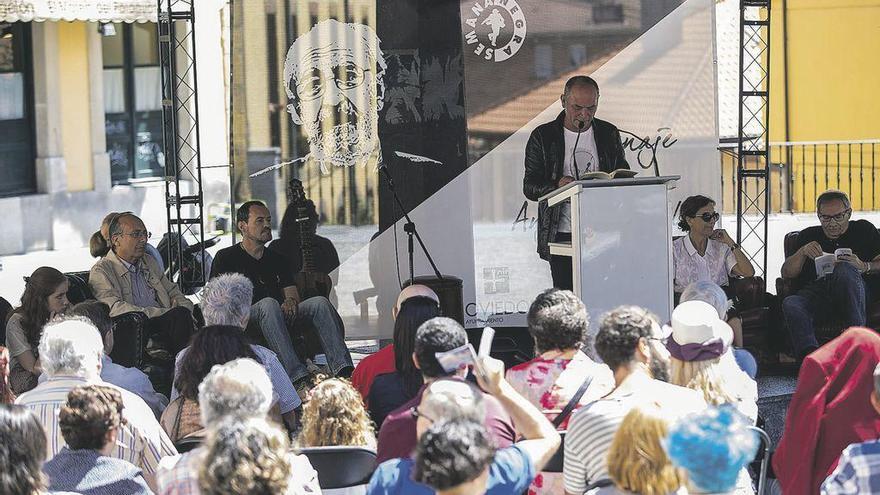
(497, 29)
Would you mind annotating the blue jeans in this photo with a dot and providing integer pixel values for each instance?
(319, 316)
(840, 294)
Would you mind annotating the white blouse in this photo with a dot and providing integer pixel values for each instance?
(715, 266)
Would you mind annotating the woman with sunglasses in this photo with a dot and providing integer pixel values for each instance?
(707, 253)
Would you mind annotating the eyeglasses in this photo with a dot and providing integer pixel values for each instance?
(708, 217)
(415, 414)
(835, 218)
(346, 76)
(139, 234)
(662, 340)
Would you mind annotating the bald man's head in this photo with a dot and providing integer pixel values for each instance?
(414, 291)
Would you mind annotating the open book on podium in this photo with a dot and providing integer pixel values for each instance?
(621, 242)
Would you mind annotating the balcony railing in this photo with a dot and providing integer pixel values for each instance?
(800, 171)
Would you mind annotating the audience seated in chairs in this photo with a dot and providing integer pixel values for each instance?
(385, 360)
(859, 465)
(637, 462)
(830, 409)
(7, 396)
(397, 435)
(713, 447)
(558, 322)
(235, 391)
(22, 451)
(630, 342)
(389, 391)
(455, 453)
(131, 379)
(841, 294)
(226, 308)
(707, 253)
(252, 457)
(278, 311)
(712, 293)
(70, 351)
(127, 281)
(90, 422)
(45, 296)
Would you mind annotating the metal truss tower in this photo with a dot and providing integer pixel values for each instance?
(753, 151)
(180, 122)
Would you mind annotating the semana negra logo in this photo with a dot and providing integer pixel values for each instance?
(498, 28)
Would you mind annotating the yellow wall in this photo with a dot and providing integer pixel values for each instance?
(256, 76)
(833, 75)
(832, 86)
(73, 61)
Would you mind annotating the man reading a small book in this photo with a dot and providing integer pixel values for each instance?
(559, 152)
(852, 248)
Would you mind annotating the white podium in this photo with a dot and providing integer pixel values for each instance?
(621, 243)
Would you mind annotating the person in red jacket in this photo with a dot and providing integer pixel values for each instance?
(830, 409)
(383, 361)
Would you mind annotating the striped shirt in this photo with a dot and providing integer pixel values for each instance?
(591, 429)
(141, 441)
(282, 388)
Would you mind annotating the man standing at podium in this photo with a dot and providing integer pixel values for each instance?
(558, 152)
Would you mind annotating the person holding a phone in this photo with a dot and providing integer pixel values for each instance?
(709, 254)
(841, 294)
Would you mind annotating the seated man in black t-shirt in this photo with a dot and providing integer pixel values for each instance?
(277, 308)
(843, 292)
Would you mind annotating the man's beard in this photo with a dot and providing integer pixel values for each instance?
(348, 142)
(659, 367)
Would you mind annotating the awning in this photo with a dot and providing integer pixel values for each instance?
(79, 10)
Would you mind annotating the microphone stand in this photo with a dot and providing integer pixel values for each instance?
(577, 173)
(409, 227)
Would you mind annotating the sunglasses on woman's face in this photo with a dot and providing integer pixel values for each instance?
(708, 217)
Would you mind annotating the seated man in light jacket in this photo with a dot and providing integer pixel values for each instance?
(127, 281)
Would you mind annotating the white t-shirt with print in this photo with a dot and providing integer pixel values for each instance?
(587, 158)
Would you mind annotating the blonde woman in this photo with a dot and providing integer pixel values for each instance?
(334, 415)
(637, 461)
(701, 359)
(252, 457)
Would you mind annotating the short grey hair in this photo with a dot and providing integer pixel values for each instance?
(450, 399)
(831, 195)
(71, 346)
(226, 300)
(239, 389)
(708, 292)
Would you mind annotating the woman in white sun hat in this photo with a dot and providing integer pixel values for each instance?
(702, 360)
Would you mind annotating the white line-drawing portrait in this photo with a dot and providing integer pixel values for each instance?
(333, 78)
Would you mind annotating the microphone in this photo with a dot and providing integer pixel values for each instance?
(580, 126)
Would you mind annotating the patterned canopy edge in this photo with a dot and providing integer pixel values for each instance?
(78, 10)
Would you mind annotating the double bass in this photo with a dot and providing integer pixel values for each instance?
(309, 281)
